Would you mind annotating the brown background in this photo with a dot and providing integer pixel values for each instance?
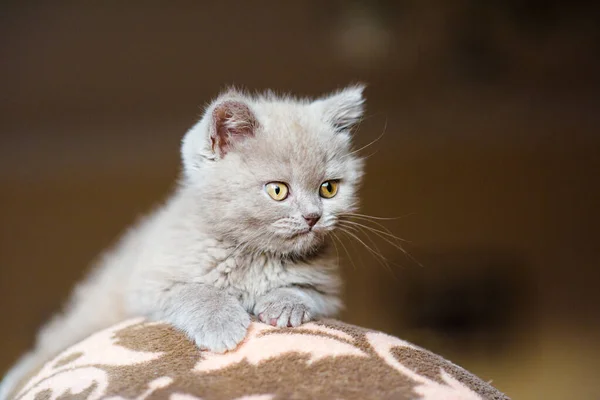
(491, 150)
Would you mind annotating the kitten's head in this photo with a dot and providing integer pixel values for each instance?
(274, 173)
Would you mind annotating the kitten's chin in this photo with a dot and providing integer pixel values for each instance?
(298, 245)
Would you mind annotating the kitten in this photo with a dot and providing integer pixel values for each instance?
(265, 179)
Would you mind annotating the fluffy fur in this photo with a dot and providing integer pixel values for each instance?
(221, 249)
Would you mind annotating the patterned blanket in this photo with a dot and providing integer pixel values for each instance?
(321, 360)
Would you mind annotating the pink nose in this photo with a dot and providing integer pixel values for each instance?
(311, 219)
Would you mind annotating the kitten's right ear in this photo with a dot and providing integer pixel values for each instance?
(227, 121)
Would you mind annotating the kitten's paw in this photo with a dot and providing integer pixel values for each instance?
(223, 329)
(283, 310)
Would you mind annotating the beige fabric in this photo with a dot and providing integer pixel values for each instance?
(322, 360)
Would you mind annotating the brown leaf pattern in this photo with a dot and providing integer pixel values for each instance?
(328, 359)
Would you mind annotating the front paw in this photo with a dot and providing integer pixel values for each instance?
(283, 309)
(222, 329)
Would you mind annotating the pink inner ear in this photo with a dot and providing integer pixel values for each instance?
(232, 121)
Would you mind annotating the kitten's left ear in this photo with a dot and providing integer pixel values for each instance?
(344, 108)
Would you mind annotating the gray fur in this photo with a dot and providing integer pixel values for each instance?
(221, 249)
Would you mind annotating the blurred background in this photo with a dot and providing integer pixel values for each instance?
(491, 156)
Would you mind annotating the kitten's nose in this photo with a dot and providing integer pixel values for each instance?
(312, 219)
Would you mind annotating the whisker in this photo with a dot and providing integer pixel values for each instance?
(345, 249)
(377, 218)
(382, 235)
(337, 253)
(363, 243)
(372, 142)
(369, 155)
(397, 246)
(359, 229)
(386, 232)
(379, 225)
(384, 262)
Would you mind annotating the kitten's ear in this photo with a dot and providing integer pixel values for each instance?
(232, 120)
(227, 120)
(344, 108)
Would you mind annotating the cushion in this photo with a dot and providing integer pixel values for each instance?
(139, 359)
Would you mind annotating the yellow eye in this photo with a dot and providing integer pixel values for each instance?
(328, 189)
(277, 190)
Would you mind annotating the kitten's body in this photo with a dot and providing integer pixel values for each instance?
(220, 249)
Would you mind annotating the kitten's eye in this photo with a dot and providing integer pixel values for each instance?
(328, 189)
(277, 190)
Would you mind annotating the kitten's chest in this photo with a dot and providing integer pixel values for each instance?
(248, 277)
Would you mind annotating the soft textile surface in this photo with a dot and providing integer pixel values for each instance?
(326, 360)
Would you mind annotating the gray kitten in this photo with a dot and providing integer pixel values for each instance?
(265, 180)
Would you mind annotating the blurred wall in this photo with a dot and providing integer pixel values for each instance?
(490, 153)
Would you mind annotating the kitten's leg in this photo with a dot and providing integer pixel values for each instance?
(292, 306)
(212, 318)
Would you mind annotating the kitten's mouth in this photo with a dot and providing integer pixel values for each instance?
(305, 234)
(301, 233)
(304, 237)
(301, 242)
